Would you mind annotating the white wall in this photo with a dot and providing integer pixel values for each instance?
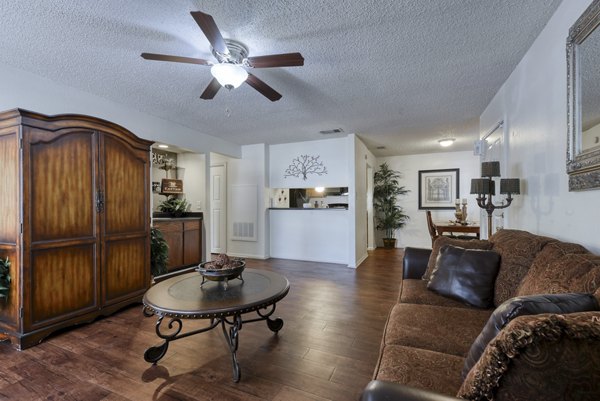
(415, 232)
(311, 234)
(362, 158)
(21, 89)
(249, 170)
(192, 172)
(533, 104)
(334, 154)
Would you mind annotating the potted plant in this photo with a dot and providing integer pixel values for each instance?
(4, 278)
(159, 253)
(174, 206)
(388, 215)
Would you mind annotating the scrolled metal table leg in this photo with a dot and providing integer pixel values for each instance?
(155, 353)
(274, 324)
(232, 338)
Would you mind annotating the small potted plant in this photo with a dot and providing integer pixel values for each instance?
(176, 207)
(159, 253)
(388, 215)
(4, 278)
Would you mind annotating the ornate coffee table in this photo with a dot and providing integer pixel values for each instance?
(183, 297)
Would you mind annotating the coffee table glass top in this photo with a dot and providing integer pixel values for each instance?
(184, 296)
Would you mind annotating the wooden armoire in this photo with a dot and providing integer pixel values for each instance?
(74, 221)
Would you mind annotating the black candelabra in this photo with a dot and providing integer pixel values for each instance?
(485, 188)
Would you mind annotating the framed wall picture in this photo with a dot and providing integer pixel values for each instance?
(438, 189)
(171, 186)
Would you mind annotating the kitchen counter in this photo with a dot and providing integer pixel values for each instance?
(161, 216)
(184, 238)
(312, 234)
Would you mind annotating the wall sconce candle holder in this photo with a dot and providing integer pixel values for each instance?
(485, 188)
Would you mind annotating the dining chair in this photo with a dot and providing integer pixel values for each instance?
(433, 232)
(431, 227)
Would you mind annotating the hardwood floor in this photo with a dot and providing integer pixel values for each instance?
(327, 350)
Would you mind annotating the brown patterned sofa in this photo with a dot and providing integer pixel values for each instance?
(547, 356)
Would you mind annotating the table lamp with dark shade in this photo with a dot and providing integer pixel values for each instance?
(485, 188)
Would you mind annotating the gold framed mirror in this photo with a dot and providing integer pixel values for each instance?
(583, 101)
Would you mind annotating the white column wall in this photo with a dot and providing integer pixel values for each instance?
(362, 158)
(533, 104)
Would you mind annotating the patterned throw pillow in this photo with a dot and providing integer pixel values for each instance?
(518, 249)
(539, 357)
(569, 273)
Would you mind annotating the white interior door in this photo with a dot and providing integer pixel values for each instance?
(218, 208)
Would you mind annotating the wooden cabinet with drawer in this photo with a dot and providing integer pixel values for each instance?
(184, 237)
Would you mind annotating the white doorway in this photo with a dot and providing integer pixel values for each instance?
(218, 208)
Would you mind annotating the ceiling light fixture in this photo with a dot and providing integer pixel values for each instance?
(320, 189)
(229, 75)
(446, 142)
(163, 146)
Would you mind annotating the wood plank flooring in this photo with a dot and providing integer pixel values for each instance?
(327, 350)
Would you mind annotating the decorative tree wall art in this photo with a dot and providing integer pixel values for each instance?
(304, 165)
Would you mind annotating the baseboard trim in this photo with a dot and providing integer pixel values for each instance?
(362, 259)
(247, 256)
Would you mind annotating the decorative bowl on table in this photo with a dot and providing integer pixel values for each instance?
(221, 269)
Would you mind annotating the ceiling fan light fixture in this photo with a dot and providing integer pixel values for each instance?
(446, 142)
(229, 75)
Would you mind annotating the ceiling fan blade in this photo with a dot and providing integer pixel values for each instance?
(263, 88)
(211, 31)
(276, 60)
(176, 59)
(211, 90)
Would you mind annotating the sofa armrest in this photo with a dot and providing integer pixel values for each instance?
(536, 357)
(378, 390)
(415, 262)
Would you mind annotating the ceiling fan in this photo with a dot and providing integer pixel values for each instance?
(232, 60)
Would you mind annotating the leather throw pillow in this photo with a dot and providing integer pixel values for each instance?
(527, 305)
(466, 275)
(443, 241)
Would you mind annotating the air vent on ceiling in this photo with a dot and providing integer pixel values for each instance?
(331, 131)
(380, 147)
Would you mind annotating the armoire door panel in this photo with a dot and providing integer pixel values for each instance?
(125, 187)
(62, 181)
(63, 281)
(9, 183)
(126, 268)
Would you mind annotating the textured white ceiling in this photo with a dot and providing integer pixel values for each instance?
(399, 73)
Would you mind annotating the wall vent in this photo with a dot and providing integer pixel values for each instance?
(243, 230)
(244, 213)
(332, 131)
